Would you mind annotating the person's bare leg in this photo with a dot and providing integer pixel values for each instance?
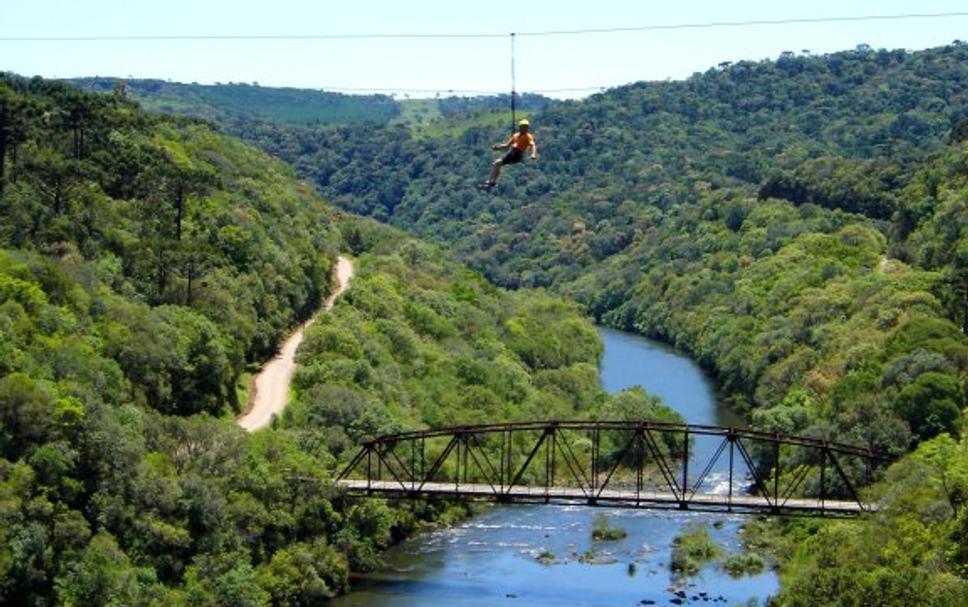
(495, 171)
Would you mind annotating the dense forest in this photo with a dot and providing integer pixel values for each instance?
(796, 225)
(145, 264)
(791, 127)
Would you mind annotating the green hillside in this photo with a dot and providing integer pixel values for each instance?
(238, 101)
(417, 112)
(145, 263)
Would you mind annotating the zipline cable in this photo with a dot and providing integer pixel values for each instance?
(427, 91)
(466, 35)
(448, 90)
(513, 92)
(484, 35)
(747, 23)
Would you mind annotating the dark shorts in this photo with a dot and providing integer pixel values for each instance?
(513, 156)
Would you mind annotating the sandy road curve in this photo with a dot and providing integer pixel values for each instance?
(270, 391)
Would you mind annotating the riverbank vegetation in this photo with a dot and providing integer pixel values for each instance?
(602, 531)
(692, 548)
(910, 552)
(744, 563)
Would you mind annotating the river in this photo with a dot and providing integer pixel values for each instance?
(491, 558)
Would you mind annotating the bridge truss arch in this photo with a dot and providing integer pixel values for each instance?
(631, 464)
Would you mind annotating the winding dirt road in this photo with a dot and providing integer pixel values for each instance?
(270, 391)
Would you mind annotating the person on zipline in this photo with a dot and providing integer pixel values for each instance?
(516, 146)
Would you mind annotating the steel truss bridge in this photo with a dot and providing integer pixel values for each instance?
(628, 464)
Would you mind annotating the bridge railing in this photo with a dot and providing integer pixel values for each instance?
(641, 463)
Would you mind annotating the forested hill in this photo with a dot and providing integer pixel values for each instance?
(145, 263)
(748, 124)
(244, 103)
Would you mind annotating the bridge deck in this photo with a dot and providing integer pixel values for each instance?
(620, 498)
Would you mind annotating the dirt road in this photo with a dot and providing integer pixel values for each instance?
(270, 391)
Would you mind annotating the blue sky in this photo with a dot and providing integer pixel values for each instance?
(543, 63)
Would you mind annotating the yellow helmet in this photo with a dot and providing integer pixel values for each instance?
(524, 122)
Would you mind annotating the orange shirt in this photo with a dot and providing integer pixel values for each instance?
(522, 141)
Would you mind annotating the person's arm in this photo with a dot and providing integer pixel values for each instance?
(534, 149)
(505, 145)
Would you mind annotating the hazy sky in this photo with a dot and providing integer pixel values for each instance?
(441, 64)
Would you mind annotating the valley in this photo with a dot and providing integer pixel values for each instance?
(790, 232)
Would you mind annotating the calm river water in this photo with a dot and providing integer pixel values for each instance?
(491, 559)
